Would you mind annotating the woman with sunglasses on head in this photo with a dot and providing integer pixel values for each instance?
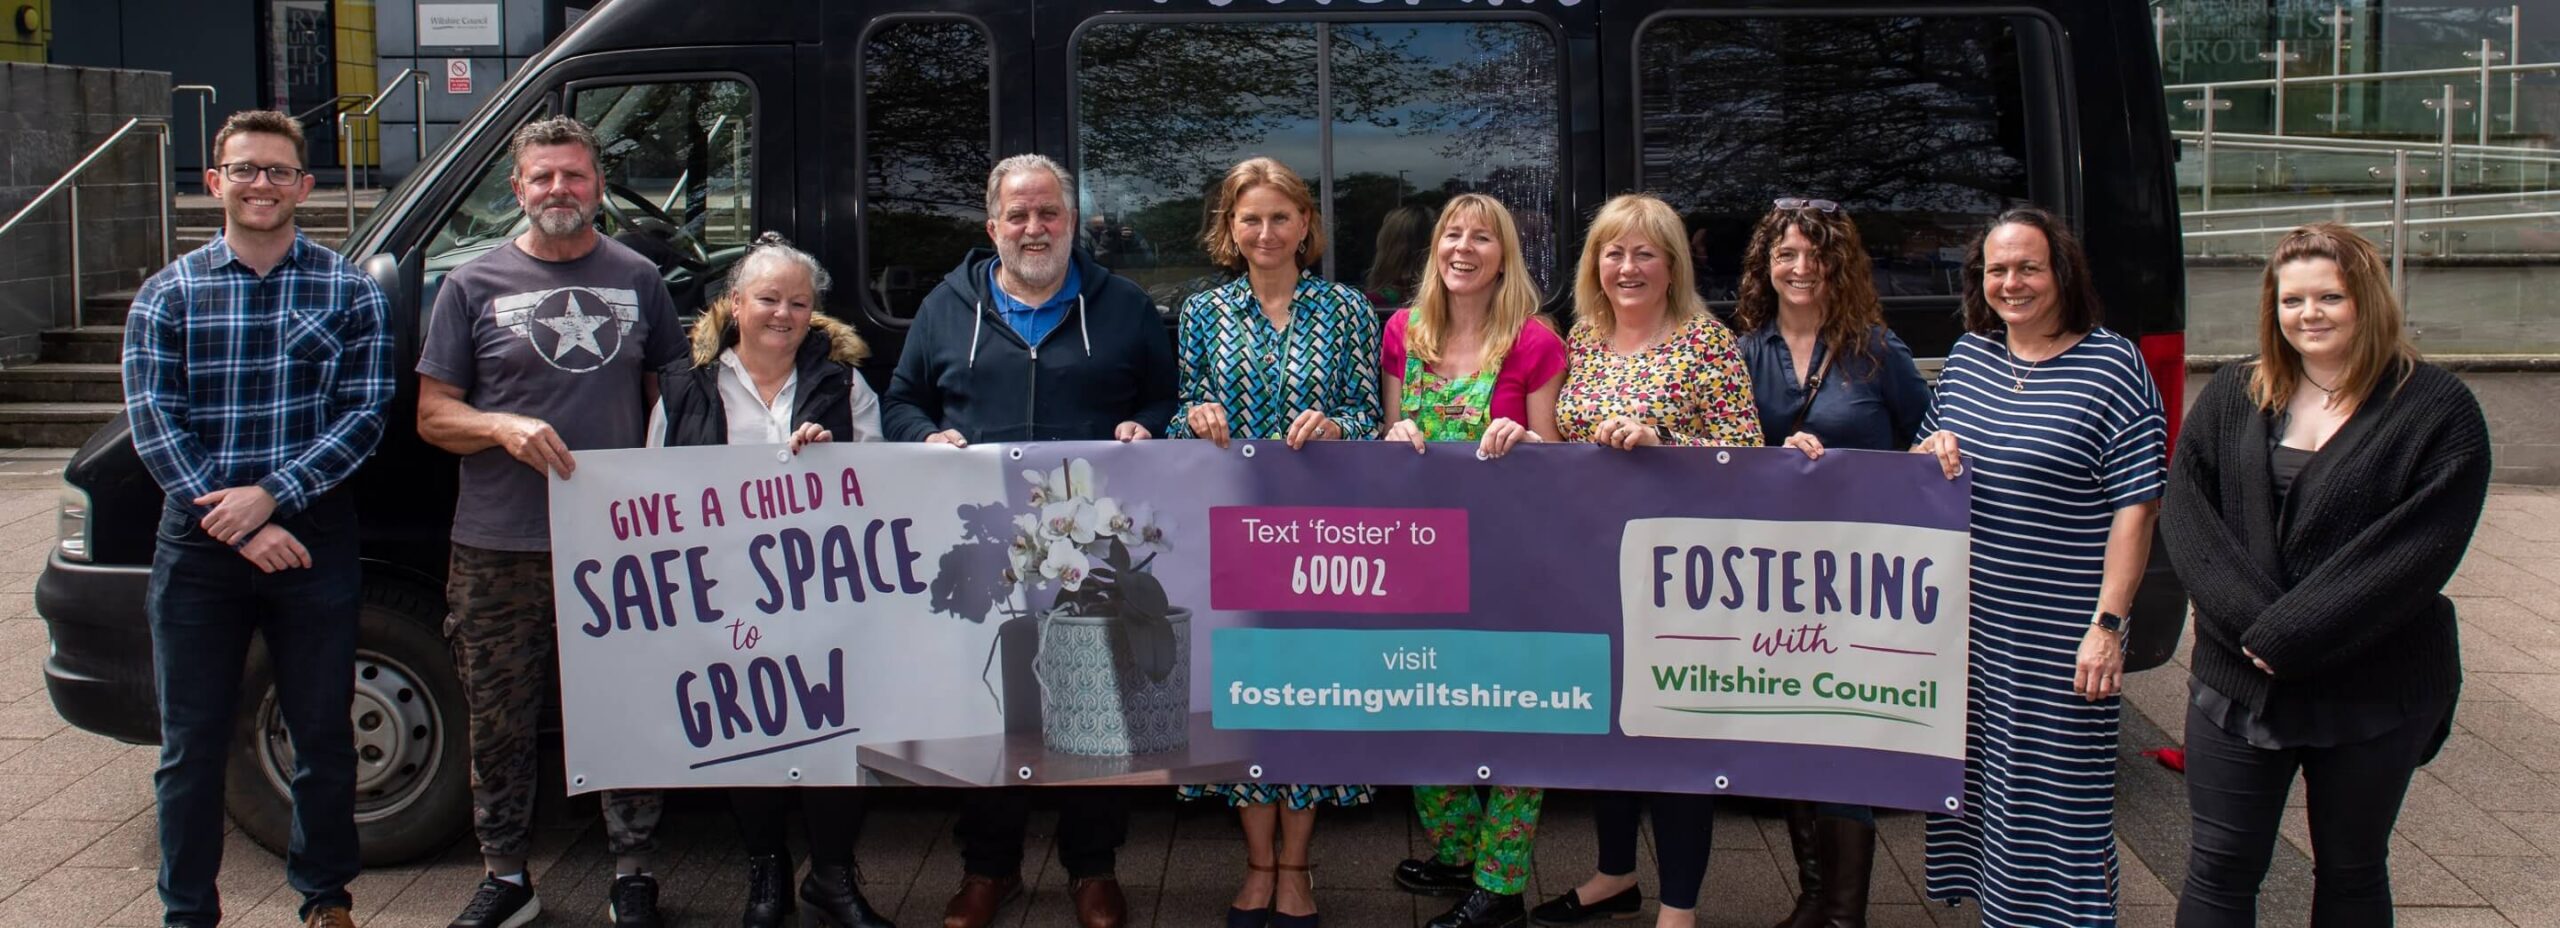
(1827, 374)
(1470, 361)
(2058, 422)
(2321, 498)
(768, 368)
(1650, 366)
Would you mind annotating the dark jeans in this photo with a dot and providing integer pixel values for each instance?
(2236, 792)
(1683, 832)
(833, 815)
(204, 601)
(1092, 824)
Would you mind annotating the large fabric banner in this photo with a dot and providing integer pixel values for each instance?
(1698, 620)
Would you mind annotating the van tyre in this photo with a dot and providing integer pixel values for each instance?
(413, 781)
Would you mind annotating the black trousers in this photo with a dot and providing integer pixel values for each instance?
(1683, 832)
(832, 814)
(1092, 824)
(2236, 793)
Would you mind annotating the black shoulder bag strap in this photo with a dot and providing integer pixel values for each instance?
(1812, 388)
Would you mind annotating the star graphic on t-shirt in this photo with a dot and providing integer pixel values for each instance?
(577, 330)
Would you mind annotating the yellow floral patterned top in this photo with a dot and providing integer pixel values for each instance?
(1692, 384)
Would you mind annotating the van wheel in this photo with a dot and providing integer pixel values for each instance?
(413, 781)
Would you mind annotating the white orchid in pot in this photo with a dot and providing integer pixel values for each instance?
(1114, 659)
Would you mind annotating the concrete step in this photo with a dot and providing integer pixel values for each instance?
(105, 309)
(96, 344)
(57, 382)
(52, 425)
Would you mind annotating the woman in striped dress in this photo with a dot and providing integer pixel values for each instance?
(2060, 423)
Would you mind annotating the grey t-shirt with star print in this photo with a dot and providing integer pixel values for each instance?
(566, 342)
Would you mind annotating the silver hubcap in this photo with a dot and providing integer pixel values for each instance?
(396, 743)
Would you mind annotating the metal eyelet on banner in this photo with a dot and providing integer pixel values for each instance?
(795, 773)
(782, 456)
(1952, 804)
(1724, 457)
(1484, 773)
(579, 780)
(1248, 450)
(1024, 773)
(1014, 453)
(1480, 455)
(1254, 771)
(1722, 782)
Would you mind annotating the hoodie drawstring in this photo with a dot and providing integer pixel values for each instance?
(977, 325)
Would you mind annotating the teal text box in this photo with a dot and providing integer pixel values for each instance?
(1424, 679)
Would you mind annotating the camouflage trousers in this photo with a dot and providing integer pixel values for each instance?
(505, 644)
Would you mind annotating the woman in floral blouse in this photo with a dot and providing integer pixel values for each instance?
(1649, 367)
(1278, 353)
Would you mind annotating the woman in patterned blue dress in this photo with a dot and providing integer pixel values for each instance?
(2059, 422)
(1277, 353)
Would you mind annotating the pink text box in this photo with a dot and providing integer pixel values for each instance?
(1337, 559)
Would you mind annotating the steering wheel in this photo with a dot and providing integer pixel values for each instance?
(620, 201)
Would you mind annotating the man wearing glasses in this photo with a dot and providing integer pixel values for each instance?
(255, 371)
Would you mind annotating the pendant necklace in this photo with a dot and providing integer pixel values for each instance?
(2018, 378)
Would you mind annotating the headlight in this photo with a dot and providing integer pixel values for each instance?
(71, 524)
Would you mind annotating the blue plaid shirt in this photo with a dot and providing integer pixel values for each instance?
(234, 379)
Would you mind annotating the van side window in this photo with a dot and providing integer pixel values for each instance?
(677, 160)
(1412, 114)
(1916, 125)
(927, 126)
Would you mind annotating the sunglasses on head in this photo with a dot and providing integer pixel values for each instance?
(1803, 203)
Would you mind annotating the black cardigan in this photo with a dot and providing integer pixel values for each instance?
(2342, 591)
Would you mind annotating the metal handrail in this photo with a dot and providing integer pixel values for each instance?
(2361, 77)
(204, 132)
(2339, 205)
(338, 103)
(2351, 146)
(2381, 223)
(168, 247)
(373, 104)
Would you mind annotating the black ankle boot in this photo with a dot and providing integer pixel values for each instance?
(834, 894)
(1430, 877)
(768, 891)
(1484, 908)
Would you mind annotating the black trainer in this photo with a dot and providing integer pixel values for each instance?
(634, 903)
(499, 904)
(1430, 877)
(1569, 909)
(1483, 908)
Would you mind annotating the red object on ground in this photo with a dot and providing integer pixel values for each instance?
(2172, 758)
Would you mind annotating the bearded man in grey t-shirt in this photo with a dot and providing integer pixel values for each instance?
(546, 346)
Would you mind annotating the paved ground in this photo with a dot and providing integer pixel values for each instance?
(2478, 847)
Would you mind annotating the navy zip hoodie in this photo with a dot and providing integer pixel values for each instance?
(963, 368)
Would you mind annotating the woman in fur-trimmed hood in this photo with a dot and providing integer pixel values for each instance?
(768, 367)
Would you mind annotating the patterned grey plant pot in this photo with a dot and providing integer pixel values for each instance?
(1094, 702)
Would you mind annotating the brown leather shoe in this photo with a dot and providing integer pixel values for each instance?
(1099, 903)
(330, 916)
(975, 905)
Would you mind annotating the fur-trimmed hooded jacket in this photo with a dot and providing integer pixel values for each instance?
(690, 389)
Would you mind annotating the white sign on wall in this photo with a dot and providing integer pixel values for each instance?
(459, 25)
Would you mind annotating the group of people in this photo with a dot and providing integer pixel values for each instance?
(2318, 504)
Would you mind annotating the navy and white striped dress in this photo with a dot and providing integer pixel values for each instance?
(2052, 462)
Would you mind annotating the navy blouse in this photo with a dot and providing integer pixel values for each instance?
(1864, 404)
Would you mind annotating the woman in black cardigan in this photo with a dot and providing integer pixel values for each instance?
(2318, 503)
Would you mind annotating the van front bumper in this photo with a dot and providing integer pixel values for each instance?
(99, 674)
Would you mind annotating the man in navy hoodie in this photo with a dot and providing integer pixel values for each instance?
(1035, 342)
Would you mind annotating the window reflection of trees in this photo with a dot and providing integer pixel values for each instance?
(926, 132)
(1420, 113)
(1916, 125)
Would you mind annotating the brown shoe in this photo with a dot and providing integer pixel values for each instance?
(1099, 903)
(975, 905)
(330, 916)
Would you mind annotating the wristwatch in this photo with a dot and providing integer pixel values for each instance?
(2119, 624)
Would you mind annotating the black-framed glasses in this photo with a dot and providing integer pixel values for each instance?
(1826, 206)
(281, 175)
